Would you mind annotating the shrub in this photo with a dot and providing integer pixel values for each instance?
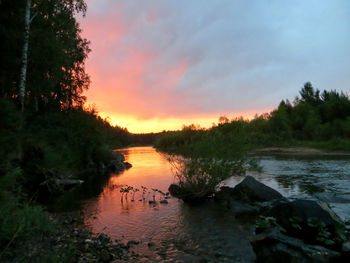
(199, 177)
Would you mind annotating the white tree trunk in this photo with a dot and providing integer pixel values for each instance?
(22, 83)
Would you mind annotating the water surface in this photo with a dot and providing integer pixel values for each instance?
(178, 232)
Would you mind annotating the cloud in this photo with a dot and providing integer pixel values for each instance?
(163, 59)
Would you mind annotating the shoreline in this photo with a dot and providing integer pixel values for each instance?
(296, 151)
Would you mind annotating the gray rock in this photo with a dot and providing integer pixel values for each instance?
(303, 212)
(241, 209)
(275, 247)
(249, 190)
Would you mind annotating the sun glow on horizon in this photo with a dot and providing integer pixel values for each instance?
(137, 125)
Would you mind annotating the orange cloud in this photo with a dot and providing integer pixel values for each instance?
(140, 85)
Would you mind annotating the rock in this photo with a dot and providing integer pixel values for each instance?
(116, 165)
(304, 218)
(132, 242)
(241, 209)
(186, 193)
(275, 247)
(249, 191)
(127, 165)
(118, 157)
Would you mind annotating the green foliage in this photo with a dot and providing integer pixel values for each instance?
(56, 75)
(56, 133)
(267, 222)
(201, 176)
(74, 138)
(318, 119)
(18, 220)
(295, 222)
(324, 236)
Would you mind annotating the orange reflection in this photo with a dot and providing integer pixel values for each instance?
(150, 169)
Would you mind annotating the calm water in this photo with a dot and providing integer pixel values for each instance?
(178, 232)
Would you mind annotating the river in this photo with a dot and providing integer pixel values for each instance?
(177, 232)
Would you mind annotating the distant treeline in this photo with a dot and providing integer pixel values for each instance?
(318, 119)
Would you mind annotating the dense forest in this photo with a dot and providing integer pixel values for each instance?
(314, 118)
(45, 126)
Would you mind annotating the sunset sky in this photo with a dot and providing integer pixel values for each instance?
(156, 65)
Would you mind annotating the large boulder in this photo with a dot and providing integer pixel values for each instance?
(306, 219)
(273, 246)
(249, 191)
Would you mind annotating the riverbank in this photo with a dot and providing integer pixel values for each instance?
(297, 151)
(68, 241)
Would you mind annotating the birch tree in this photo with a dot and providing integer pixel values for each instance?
(23, 77)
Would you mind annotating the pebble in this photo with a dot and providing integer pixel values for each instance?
(132, 242)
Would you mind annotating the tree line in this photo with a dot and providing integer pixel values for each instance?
(314, 118)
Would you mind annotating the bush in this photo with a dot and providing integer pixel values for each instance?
(199, 177)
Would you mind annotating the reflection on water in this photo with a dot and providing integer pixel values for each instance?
(176, 231)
